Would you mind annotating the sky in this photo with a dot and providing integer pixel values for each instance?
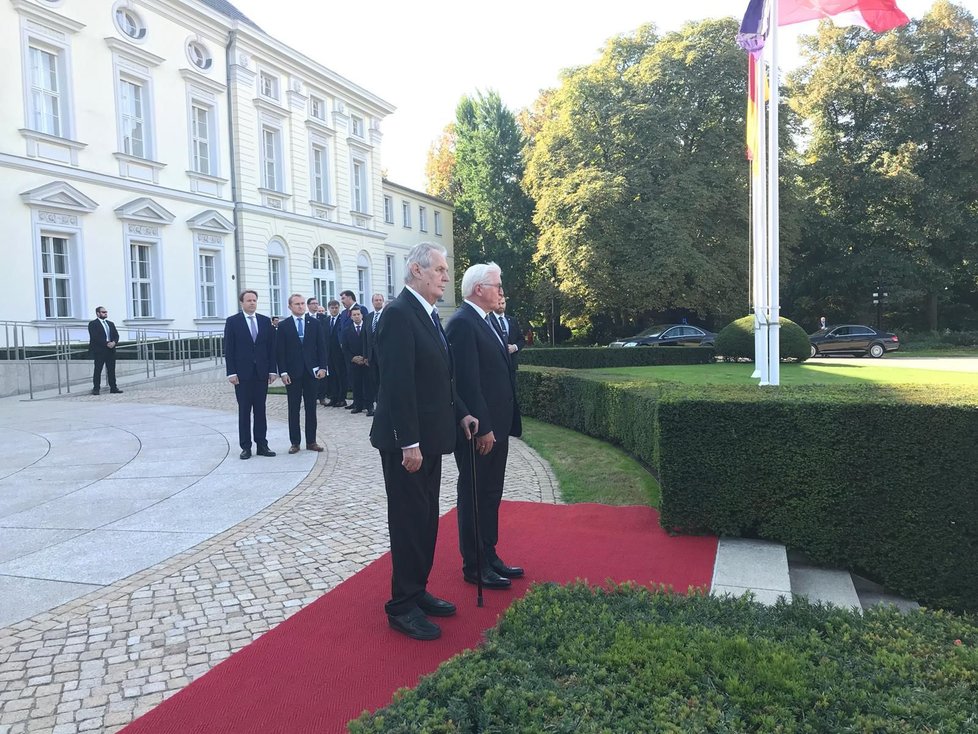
(423, 56)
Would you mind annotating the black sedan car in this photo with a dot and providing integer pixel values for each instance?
(669, 335)
(853, 339)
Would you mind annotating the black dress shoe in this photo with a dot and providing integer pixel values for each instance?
(115, 391)
(509, 572)
(435, 607)
(265, 451)
(245, 454)
(356, 410)
(338, 403)
(95, 392)
(490, 580)
(348, 407)
(370, 414)
(415, 625)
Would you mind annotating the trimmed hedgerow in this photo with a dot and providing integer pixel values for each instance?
(882, 480)
(600, 357)
(626, 659)
(736, 340)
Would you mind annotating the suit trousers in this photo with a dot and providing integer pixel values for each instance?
(412, 518)
(302, 390)
(104, 358)
(336, 389)
(359, 375)
(252, 394)
(490, 473)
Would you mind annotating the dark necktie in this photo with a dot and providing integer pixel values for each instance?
(503, 325)
(300, 326)
(437, 322)
(373, 324)
(358, 329)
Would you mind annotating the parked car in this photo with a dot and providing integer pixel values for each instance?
(669, 335)
(853, 339)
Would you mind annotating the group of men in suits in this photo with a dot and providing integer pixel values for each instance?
(440, 391)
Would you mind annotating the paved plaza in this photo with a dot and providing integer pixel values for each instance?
(137, 551)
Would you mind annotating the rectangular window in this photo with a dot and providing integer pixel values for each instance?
(207, 267)
(422, 219)
(390, 277)
(317, 108)
(56, 277)
(438, 223)
(271, 159)
(45, 97)
(133, 107)
(275, 285)
(268, 85)
(320, 175)
(140, 262)
(356, 126)
(358, 187)
(406, 214)
(200, 133)
(388, 210)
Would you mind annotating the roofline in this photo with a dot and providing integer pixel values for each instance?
(408, 189)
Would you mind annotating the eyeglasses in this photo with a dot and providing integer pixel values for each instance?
(494, 285)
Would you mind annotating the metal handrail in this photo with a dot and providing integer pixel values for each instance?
(144, 347)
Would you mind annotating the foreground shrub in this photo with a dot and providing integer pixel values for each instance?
(599, 357)
(626, 659)
(877, 479)
(736, 340)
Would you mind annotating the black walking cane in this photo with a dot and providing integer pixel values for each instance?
(475, 516)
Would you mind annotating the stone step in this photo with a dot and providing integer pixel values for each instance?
(759, 566)
(824, 585)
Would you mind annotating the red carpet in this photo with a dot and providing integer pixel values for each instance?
(330, 661)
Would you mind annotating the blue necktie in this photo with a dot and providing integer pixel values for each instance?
(300, 325)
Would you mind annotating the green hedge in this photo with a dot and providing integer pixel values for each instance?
(626, 659)
(597, 357)
(736, 340)
(881, 480)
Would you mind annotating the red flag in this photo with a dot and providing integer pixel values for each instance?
(877, 15)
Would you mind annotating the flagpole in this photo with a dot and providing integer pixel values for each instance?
(758, 171)
(773, 220)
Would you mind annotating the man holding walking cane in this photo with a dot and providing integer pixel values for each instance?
(486, 385)
(414, 425)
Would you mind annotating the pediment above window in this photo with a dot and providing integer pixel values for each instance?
(144, 210)
(59, 195)
(210, 221)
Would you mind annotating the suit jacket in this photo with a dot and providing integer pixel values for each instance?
(368, 324)
(516, 335)
(333, 332)
(96, 335)
(353, 344)
(417, 402)
(300, 357)
(484, 373)
(345, 317)
(246, 358)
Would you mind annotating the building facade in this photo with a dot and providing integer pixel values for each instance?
(158, 156)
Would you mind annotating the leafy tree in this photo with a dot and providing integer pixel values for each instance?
(891, 180)
(440, 166)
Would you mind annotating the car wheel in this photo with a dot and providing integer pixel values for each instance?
(876, 351)
(814, 351)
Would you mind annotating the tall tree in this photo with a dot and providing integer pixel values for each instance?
(639, 176)
(891, 176)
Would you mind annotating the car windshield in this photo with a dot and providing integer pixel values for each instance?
(655, 330)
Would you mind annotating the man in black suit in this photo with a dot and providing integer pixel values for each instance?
(102, 340)
(354, 344)
(249, 357)
(509, 327)
(301, 354)
(417, 413)
(486, 385)
(336, 385)
(372, 322)
(319, 313)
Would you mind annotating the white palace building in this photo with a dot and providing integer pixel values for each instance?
(158, 156)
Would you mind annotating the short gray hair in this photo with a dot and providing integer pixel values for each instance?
(477, 274)
(421, 254)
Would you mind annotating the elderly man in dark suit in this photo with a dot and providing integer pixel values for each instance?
(417, 413)
(102, 340)
(249, 358)
(486, 384)
(301, 356)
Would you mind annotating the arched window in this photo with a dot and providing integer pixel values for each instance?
(278, 277)
(323, 274)
(363, 278)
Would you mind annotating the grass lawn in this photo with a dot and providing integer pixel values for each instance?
(590, 470)
(724, 373)
(934, 352)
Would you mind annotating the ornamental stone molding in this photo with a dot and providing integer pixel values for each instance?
(145, 211)
(60, 196)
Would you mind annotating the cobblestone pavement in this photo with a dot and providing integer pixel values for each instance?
(102, 660)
